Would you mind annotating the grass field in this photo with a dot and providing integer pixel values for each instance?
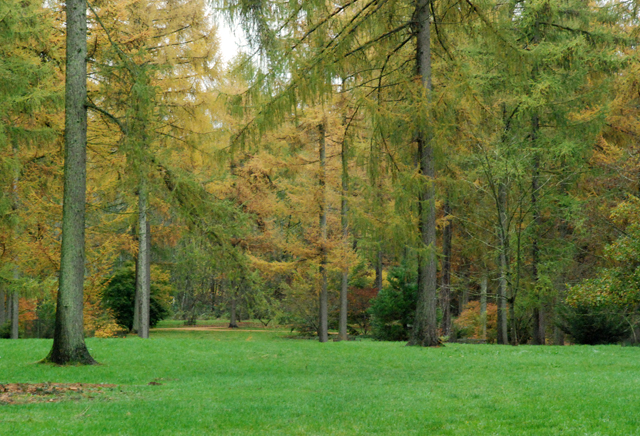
(260, 383)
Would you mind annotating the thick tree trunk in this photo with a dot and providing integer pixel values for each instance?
(445, 288)
(424, 332)
(15, 315)
(68, 337)
(323, 325)
(504, 267)
(483, 305)
(344, 288)
(143, 268)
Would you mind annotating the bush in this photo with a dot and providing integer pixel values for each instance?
(119, 297)
(44, 324)
(5, 330)
(469, 323)
(359, 303)
(393, 310)
(594, 325)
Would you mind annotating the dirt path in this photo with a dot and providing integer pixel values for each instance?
(207, 329)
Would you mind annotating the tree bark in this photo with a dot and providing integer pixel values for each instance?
(483, 305)
(142, 270)
(136, 304)
(424, 332)
(504, 266)
(68, 337)
(15, 315)
(323, 326)
(445, 288)
(538, 336)
(378, 269)
(344, 288)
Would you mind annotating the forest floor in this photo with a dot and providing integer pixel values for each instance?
(214, 382)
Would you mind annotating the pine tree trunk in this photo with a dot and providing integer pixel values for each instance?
(445, 289)
(424, 332)
(464, 297)
(68, 338)
(483, 305)
(142, 270)
(378, 268)
(344, 288)
(538, 337)
(512, 316)
(504, 267)
(15, 315)
(323, 326)
(136, 304)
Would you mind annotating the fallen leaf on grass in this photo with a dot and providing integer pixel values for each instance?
(13, 393)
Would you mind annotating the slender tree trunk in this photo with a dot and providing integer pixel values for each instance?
(344, 289)
(424, 332)
(15, 296)
(136, 304)
(15, 315)
(445, 288)
(378, 268)
(560, 285)
(504, 267)
(512, 316)
(323, 330)
(483, 305)
(221, 294)
(558, 336)
(538, 336)
(233, 323)
(68, 337)
(214, 293)
(142, 270)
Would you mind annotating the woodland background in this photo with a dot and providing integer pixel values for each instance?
(297, 165)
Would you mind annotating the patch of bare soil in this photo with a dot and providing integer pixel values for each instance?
(21, 393)
(207, 328)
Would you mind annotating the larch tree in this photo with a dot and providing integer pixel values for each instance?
(29, 95)
(542, 114)
(68, 341)
(152, 69)
(306, 46)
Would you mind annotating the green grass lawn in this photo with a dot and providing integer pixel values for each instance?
(259, 383)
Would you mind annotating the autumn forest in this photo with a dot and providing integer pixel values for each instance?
(429, 171)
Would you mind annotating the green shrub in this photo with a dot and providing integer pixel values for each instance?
(393, 310)
(594, 325)
(5, 330)
(44, 324)
(119, 296)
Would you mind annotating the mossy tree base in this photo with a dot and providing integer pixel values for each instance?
(75, 356)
